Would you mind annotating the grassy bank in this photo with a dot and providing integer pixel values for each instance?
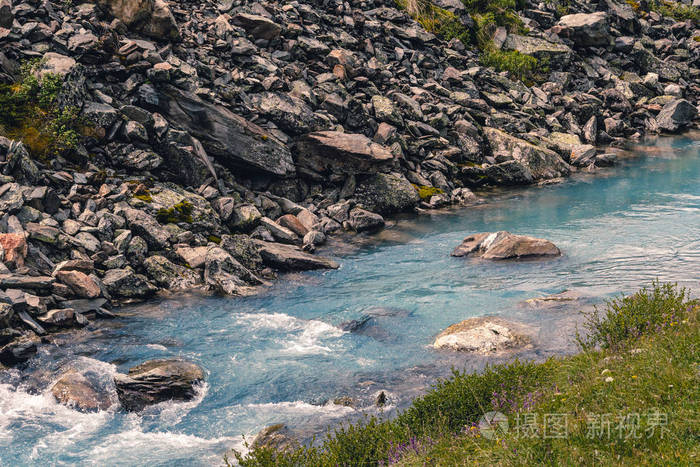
(630, 397)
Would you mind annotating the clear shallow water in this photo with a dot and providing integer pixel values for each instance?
(281, 356)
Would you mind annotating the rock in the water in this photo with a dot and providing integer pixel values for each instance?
(554, 300)
(276, 437)
(292, 258)
(505, 245)
(676, 115)
(76, 391)
(226, 276)
(362, 220)
(157, 381)
(17, 351)
(484, 335)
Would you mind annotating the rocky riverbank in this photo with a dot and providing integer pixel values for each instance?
(220, 142)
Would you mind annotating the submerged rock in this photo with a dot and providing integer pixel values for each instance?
(75, 390)
(554, 300)
(505, 245)
(676, 114)
(484, 335)
(157, 381)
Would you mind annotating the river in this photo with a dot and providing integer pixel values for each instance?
(282, 356)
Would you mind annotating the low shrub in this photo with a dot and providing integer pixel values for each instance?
(676, 10)
(30, 114)
(628, 317)
(520, 66)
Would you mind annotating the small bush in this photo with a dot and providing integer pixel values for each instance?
(628, 317)
(30, 114)
(180, 212)
(434, 19)
(520, 66)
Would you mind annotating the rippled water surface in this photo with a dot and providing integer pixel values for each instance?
(282, 356)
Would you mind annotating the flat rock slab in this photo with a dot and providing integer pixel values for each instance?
(74, 390)
(485, 336)
(505, 245)
(291, 258)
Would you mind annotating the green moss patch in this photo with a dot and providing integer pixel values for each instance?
(180, 212)
(427, 192)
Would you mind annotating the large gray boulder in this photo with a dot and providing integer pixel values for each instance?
(157, 381)
(169, 275)
(585, 30)
(676, 115)
(387, 193)
(504, 245)
(229, 138)
(226, 276)
(333, 152)
(534, 162)
(127, 284)
(289, 113)
(150, 17)
(485, 336)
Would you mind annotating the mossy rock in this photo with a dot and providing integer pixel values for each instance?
(427, 192)
(180, 212)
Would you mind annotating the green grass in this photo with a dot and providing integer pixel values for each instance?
(30, 114)
(676, 10)
(488, 16)
(653, 373)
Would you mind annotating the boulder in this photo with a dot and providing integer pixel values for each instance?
(291, 222)
(76, 391)
(585, 30)
(676, 115)
(387, 193)
(485, 336)
(362, 220)
(258, 26)
(6, 15)
(168, 275)
(276, 437)
(127, 284)
(55, 64)
(289, 113)
(533, 162)
(333, 152)
(150, 17)
(145, 226)
(505, 245)
(541, 49)
(291, 258)
(554, 300)
(63, 318)
(80, 283)
(226, 276)
(157, 381)
(229, 138)
(193, 257)
(18, 351)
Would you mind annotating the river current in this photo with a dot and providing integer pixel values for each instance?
(283, 356)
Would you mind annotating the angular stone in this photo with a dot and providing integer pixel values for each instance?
(258, 26)
(14, 248)
(81, 284)
(676, 115)
(504, 245)
(125, 283)
(169, 275)
(225, 275)
(42, 233)
(387, 193)
(291, 222)
(541, 49)
(148, 228)
(17, 281)
(585, 30)
(362, 220)
(292, 258)
(157, 381)
(325, 152)
(74, 390)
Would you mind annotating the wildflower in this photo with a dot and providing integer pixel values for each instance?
(609, 379)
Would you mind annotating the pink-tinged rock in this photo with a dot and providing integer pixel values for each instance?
(291, 222)
(505, 245)
(80, 283)
(14, 246)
